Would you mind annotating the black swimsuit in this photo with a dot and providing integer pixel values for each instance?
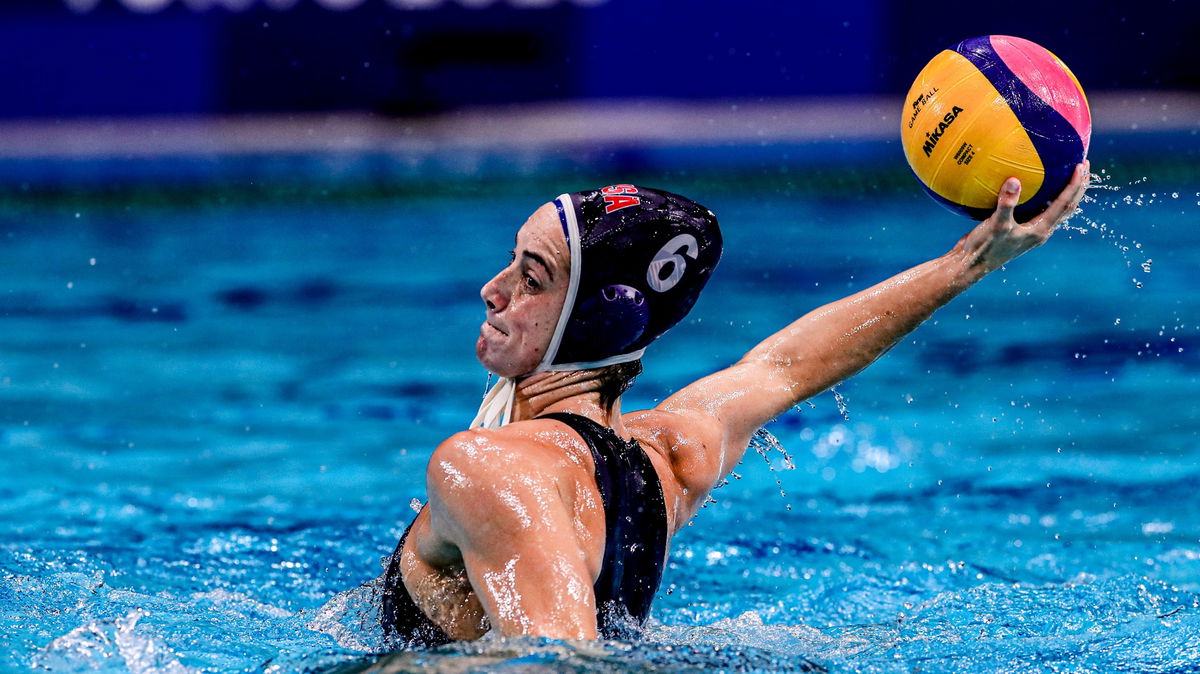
(635, 523)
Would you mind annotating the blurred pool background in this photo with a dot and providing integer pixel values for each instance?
(240, 249)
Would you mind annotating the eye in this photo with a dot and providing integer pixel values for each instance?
(532, 283)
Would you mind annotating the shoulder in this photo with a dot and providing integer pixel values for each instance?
(688, 444)
(475, 459)
(469, 456)
(472, 472)
(522, 446)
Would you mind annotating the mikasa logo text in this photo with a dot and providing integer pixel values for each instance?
(932, 137)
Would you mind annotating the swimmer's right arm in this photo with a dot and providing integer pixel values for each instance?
(836, 341)
(493, 512)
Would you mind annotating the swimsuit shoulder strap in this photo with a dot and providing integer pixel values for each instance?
(635, 522)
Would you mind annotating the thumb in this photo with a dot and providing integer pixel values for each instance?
(1010, 194)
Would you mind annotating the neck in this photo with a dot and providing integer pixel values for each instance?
(577, 391)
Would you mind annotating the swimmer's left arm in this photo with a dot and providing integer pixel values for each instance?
(840, 339)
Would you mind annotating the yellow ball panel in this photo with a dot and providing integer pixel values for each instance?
(962, 139)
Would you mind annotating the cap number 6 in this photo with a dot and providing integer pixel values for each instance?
(669, 259)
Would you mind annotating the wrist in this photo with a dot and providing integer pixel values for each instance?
(966, 266)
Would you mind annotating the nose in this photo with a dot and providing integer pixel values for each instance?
(492, 295)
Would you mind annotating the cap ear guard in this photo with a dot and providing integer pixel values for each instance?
(609, 320)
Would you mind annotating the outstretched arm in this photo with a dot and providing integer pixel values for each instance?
(839, 339)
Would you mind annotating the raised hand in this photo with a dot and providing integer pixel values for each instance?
(1001, 238)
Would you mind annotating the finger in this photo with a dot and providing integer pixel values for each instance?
(1010, 194)
(1085, 179)
(1080, 185)
(1066, 202)
(1078, 180)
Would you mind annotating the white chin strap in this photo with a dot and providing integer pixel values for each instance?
(496, 408)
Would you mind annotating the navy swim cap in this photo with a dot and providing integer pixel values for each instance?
(639, 259)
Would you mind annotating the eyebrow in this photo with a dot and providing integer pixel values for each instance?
(540, 260)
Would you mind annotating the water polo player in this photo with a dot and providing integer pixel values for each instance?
(552, 515)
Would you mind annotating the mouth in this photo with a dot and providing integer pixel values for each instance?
(487, 326)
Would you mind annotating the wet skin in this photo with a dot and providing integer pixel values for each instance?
(524, 299)
(513, 535)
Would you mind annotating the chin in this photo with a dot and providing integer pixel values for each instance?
(488, 361)
(503, 371)
(499, 364)
(489, 367)
(503, 368)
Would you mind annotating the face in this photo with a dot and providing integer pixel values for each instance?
(524, 300)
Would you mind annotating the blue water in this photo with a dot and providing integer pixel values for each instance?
(214, 421)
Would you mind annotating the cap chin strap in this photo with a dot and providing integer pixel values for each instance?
(496, 408)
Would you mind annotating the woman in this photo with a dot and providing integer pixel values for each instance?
(551, 516)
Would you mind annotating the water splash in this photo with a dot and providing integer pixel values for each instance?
(352, 618)
(118, 643)
(763, 443)
(786, 644)
(1102, 182)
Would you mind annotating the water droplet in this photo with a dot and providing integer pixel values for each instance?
(841, 403)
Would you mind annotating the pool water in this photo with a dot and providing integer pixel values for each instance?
(215, 419)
